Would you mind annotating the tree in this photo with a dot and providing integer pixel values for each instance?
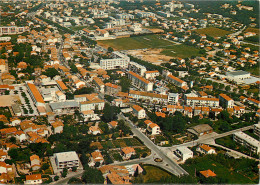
(74, 168)
(125, 83)
(92, 176)
(56, 178)
(110, 112)
(84, 90)
(51, 72)
(45, 166)
(110, 49)
(64, 172)
(228, 88)
(74, 180)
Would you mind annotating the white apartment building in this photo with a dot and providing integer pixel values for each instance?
(226, 101)
(125, 16)
(91, 105)
(151, 74)
(251, 143)
(66, 160)
(184, 153)
(140, 82)
(257, 129)
(5, 39)
(12, 30)
(138, 111)
(145, 14)
(202, 102)
(137, 68)
(119, 61)
(173, 98)
(35, 94)
(153, 97)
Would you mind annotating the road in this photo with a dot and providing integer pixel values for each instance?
(69, 176)
(243, 42)
(169, 163)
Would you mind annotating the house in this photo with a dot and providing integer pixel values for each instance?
(208, 173)
(112, 89)
(94, 130)
(151, 74)
(138, 111)
(20, 136)
(5, 168)
(57, 127)
(96, 157)
(3, 155)
(254, 102)
(35, 162)
(154, 129)
(33, 179)
(127, 152)
(206, 149)
(89, 115)
(184, 153)
(113, 124)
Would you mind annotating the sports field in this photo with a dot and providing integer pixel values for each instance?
(152, 42)
(138, 42)
(212, 31)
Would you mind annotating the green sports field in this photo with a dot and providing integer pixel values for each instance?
(212, 31)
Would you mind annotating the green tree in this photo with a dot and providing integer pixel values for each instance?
(64, 172)
(92, 176)
(110, 49)
(56, 178)
(51, 72)
(125, 83)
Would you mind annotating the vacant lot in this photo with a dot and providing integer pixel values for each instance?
(138, 42)
(255, 30)
(212, 31)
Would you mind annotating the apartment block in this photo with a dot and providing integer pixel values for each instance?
(66, 159)
(251, 143)
(202, 102)
(118, 61)
(140, 82)
(137, 68)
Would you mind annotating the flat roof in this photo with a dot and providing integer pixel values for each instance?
(66, 156)
(184, 150)
(236, 73)
(248, 139)
(65, 104)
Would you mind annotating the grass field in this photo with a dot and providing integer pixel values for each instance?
(138, 42)
(212, 31)
(254, 70)
(182, 50)
(154, 174)
(219, 169)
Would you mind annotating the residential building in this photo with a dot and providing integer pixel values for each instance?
(200, 130)
(66, 160)
(127, 152)
(257, 129)
(202, 102)
(112, 89)
(138, 111)
(119, 61)
(33, 179)
(92, 105)
(152, 97)
(99, 83)
(140, 82)
(173, 98)
(153, 128)
(150, 75)
(57, 127)
(206, 149)
(96, 157)
(35, 94)
(12, 30)
(208, 173)
(247, 141)
(137, 68)
(35, 162)
(226, 101)
(184, 153)
(176, 81)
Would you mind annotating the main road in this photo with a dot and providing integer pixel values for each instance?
(169, 163)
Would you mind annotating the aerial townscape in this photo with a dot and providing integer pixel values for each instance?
(129, 92)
